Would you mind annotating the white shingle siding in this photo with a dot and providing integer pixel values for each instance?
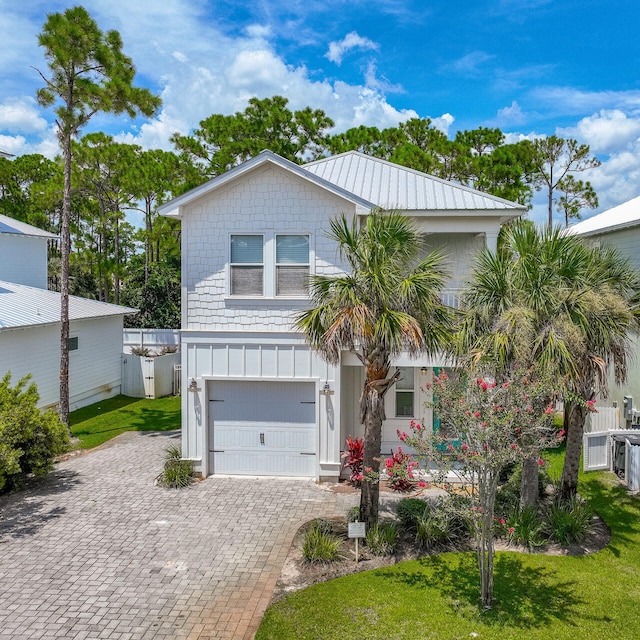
(269, 202)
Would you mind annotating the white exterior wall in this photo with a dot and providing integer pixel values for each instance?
(94, 368)
(460, 250)
(23, 259)
(269, 201)
(211, 356)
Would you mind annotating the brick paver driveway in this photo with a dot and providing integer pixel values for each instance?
(97, 551)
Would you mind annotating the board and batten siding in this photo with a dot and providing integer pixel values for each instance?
(626, 241)
(211, 356)
(95, 368)
(270, 201)
(23, 259)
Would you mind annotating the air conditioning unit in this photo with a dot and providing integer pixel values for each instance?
(635, 418)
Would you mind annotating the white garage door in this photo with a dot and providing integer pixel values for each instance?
(262, 428)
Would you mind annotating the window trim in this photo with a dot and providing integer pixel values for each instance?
(412, 391)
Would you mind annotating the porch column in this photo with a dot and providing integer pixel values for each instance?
(491, 240)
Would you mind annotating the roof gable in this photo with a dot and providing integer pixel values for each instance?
(173, 207)
(393, 186)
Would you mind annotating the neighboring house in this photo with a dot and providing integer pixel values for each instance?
(256, 399)
(618, 227)
(30, 324)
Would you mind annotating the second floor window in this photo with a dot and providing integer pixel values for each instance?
(292, 265)
(247, 265)
(405, 392)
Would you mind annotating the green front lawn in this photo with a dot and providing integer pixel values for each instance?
(104, 420)
(537, 597)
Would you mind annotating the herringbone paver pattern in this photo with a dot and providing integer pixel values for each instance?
(97, 551)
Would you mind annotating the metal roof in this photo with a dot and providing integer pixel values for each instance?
(11, 225)
(392, 186)
(22, 306)
(624, 215)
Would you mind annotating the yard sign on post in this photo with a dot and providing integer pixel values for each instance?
(357, 531)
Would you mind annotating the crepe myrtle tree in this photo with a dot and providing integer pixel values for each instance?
(484, 427)
(388, 303)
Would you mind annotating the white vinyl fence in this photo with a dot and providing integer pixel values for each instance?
(144, 377)
(153, 339)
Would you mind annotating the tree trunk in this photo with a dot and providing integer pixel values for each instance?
(370, 493)
(529, 483)
(65, 250)
(575, 430)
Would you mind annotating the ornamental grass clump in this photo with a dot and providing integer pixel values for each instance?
(568, 521)
(409, 510)
(319, 544)
(382, 538)
(177, 473)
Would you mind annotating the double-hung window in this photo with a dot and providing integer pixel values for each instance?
(292, 265)
(405, 393)
(247, 265)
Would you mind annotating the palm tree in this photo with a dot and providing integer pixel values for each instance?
(548, 300)
(387, 304)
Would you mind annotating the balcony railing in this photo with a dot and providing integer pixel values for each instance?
(451, 297)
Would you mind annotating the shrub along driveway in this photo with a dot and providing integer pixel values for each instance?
(97, 551)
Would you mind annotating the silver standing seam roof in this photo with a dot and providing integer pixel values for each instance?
(16, 227)
(23, 306)
(624, 215)
(393, 186)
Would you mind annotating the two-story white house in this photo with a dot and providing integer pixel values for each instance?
(256, 399)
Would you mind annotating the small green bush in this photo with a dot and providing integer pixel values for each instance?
(353, 515)
(381, 538)
(568, 521)
(177, 473)
(445, 520)
(319, 544)
(528, 527)
(29, 438)
(409, 510)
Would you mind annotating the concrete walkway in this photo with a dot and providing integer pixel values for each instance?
(97, 551)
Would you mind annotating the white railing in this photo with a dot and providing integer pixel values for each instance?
(451, 297)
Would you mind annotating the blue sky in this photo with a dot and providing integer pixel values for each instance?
(530, 67)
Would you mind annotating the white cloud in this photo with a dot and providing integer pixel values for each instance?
(352, 40)
(469, 64)
(511, 115)
(21, 115)
(607, 131)
(258, 31)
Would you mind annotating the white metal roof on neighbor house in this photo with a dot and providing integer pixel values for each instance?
(624, 215)
(22, 306)
(11, 225)
(392, 186)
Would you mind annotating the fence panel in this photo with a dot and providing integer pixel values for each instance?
(153, 339)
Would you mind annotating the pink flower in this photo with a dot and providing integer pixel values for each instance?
(540, 462)
(476, 414)
(422, 485)
(505, 385)
(511, 531)
(464, 447)
(549, 410)
(591, 406)
(561, 434)
(502, 521)
(513, 445)
(479, 380)
(484, 386)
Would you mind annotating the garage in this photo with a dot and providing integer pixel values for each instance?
(262, 428)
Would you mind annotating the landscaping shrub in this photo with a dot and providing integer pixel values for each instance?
(444, 521)
(29, 439)
(353, 457)
(177, 473)
(399, 470)
(319, 544)
(381, 538)
(568, 521)
(526, 527)
(409, 510)
(353, 515)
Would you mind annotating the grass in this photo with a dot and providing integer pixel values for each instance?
(104, 420)
(436, 597)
